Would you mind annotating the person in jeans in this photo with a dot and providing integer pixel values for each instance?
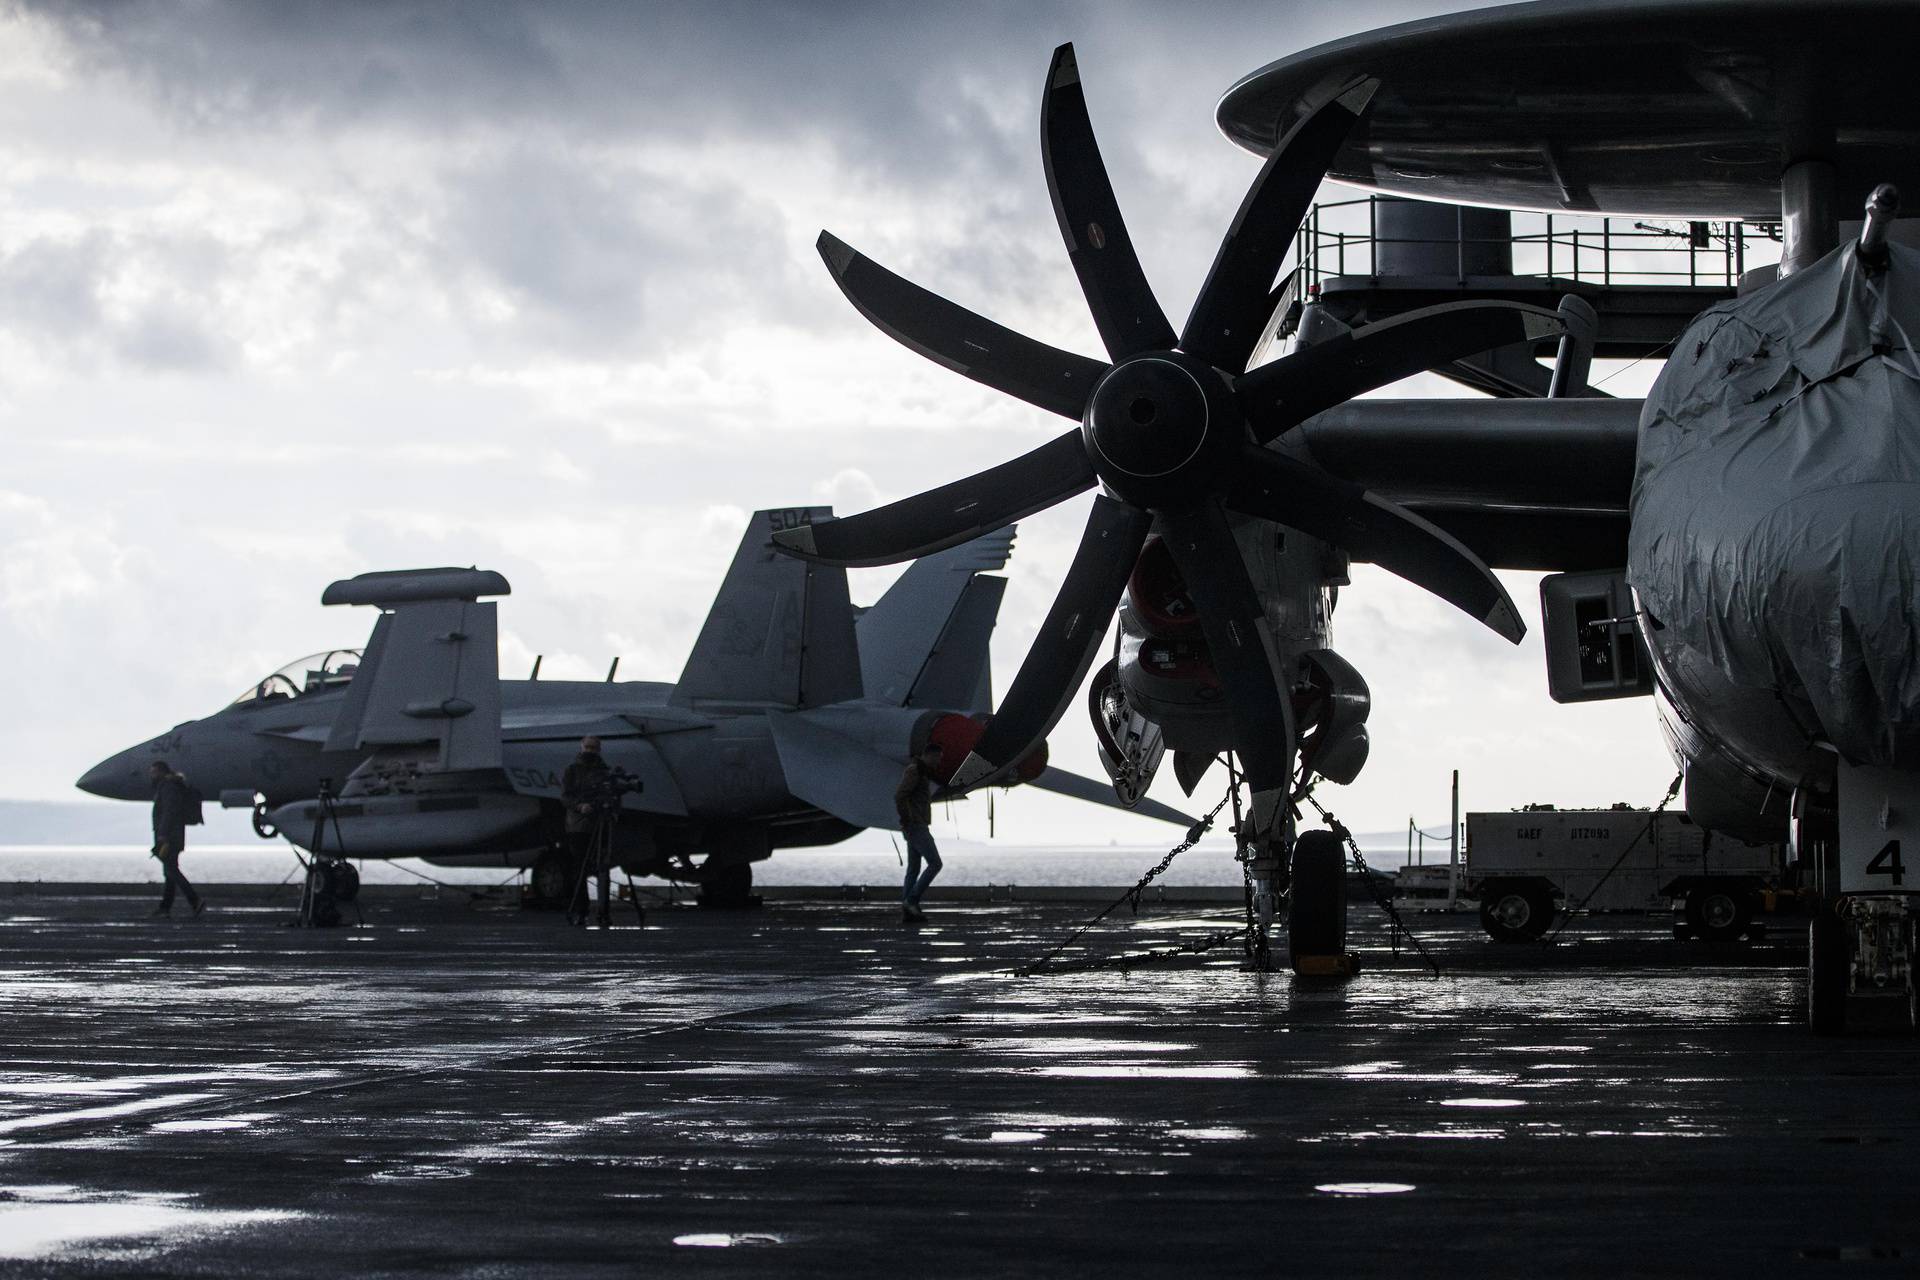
(913, 804)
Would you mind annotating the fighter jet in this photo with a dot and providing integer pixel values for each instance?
(788, 727)
(1741, 545)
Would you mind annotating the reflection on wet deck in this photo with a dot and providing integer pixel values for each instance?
(816, 1087)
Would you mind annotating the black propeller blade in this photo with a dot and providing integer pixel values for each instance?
(1064, 650)
(1369, 527)
(950, 515)
(1242, 651)
(1313, 379)
(1237, 298)
(1124, 309)
(1047, 377)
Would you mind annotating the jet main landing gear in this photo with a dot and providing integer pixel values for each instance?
(728, 888)
(1860, 950)
(1861, 944)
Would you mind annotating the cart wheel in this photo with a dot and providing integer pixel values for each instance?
(1317, 901)
(1516, 912)
(1827, 974)
(1718, 913)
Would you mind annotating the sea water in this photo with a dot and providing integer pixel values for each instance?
(966, 863)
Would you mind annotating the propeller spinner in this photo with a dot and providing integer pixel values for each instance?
(1173, 430)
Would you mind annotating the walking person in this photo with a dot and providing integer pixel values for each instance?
(584, 792)
(173, 805)
(913, 804)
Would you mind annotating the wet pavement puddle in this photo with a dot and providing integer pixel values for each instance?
(1167, 1071)
(496, 1097)
(66, 1224)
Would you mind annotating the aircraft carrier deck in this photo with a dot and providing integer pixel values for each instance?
(464, 1088)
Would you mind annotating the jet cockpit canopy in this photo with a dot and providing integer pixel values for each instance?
(314, 673)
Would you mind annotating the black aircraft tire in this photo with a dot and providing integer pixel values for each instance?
(345, 881)
(551, 879)
(727, 888)
(1516, 912)
(1719, 913)
(1827, 974)
(1317, 902)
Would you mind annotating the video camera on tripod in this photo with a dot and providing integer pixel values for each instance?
(603, 789)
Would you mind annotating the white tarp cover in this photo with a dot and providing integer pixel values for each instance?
(1776, 500)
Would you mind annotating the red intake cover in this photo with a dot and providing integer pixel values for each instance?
(1159, 593)
(955, 736)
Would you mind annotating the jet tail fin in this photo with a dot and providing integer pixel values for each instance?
(925, 643)
(431, 671)
(781, 629)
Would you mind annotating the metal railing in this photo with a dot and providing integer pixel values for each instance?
(1341, 238)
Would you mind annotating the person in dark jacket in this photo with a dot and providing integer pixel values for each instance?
(172, 801)
(583, 790)
(913, 805)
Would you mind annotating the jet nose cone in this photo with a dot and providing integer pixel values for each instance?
(120, 777)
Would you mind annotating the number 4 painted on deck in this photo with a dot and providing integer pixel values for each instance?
(1887, 863)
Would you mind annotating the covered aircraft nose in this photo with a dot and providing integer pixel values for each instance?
(122, 776)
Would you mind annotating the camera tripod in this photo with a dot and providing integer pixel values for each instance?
(599, 864)
(320, 895)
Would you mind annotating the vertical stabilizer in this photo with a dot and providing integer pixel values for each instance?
(925, 643)
(780, 631)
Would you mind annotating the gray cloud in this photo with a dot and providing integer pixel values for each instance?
(895, 84)
(52, 286)
(169, 338)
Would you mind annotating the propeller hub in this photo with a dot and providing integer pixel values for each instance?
(1154, 424)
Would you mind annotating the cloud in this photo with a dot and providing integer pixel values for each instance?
(289, 292)
(52, 287)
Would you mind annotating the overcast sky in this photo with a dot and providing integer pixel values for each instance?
(292, 292)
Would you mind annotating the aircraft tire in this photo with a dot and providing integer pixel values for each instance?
(1317, 902)
(1516, 911)
(1826, 974)
(728, 888)
(344, 881)
(1718, 913)
(551, 879)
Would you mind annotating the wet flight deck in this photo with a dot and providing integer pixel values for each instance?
(462, 1087)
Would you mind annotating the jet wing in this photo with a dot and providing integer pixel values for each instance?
(430, 674)
(577, 723)
(854, 783)
(835, 773)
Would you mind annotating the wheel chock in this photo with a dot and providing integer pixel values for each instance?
(1337, 966)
